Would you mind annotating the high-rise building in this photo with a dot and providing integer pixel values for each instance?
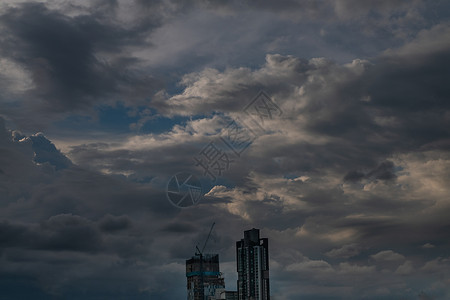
(252, 255)
(204, 280)
(231, 295)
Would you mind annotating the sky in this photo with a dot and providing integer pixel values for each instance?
(342, 161)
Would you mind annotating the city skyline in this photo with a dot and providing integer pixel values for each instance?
(205, 281)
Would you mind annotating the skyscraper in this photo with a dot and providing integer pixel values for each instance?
(204, 280)
(252, 255)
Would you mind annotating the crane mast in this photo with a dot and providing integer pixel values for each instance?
(200, 253)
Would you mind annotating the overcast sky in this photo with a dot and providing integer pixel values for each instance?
(102, 102)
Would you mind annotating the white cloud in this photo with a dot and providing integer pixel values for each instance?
(388, 255)
(405, 269)
(428, 246)
(345, 251)
(16, 80)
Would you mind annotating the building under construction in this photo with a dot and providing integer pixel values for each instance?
(204, 280)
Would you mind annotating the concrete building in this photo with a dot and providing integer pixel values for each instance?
(252, 255)
(231, 295)
(204, 280)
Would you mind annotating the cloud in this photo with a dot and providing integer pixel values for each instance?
(405, 269)
(72, 225)
(69, 233)
(424, 44)
(388, 255)
(384, 171)
(345, 251)
(45, 151)
(111, 223)
(310, 266)
(349, 182)
(74, 62)
(424, 296)
(108, 52)
(428, 246)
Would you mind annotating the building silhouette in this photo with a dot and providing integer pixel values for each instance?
(252, 255)
(204, 280)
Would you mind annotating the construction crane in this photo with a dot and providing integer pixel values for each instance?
(200, 253)
(206, 241)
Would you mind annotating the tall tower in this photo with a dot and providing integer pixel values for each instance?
(204, 280)
(252, 255)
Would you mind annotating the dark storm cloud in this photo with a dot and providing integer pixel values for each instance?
(77, 60)
(180, 227)
(345, 251)
(69, 233)
(46, 152)
(385, 171)
(112, 223)
(45, 182)
(51, 251)
(74, 62)
(76, 229)
(142, 165)
(297, 9)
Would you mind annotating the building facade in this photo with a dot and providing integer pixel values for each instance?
(204, 280)
(252, 255)
(231, 295)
